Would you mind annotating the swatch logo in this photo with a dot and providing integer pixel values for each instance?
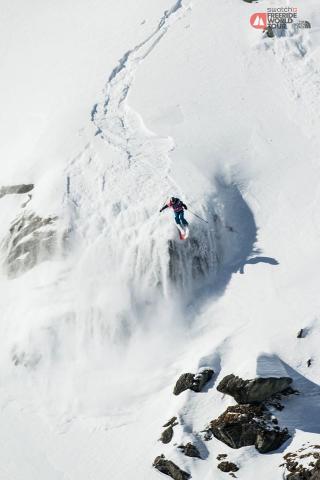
(259, 20)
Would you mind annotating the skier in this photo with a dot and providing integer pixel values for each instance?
(178, 208)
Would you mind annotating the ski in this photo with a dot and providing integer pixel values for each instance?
(183, 232)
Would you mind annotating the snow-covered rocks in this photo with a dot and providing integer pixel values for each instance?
(190, 450)
(253, 391)
(191, 381)
(31, 239)
(169, 468)
(303, 464)
(243, 425)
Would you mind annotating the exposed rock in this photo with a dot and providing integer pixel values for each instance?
(221, 456)
(169, 468)
(201, 379)
(171, 423)
(309, 362)
(304, 464)
(243, 425)
(252, 391)
(184, 382)
(301, 333)
(269, 440)
(190, 450)
(12, 189)
(275, 400)
(31, 240)
(191, 381)
(167, 435)
(228, 467)
(316, 471)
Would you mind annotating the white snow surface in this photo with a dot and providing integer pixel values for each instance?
(110, 107)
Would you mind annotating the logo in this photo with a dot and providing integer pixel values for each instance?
(259, 20)
(279, 17)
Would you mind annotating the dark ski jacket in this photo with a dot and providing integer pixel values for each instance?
(177, 205)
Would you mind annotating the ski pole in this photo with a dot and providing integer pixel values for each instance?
(197, 216)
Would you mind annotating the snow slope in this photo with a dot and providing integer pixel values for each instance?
(122, 106)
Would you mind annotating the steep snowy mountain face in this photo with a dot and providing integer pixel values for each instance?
(125, 351)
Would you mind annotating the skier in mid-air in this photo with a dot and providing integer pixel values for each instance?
(178, 208)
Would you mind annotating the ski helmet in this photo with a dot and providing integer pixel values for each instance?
(173, 199)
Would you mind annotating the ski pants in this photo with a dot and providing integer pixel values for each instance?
(179, 218)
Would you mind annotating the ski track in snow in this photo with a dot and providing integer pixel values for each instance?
(118, 123)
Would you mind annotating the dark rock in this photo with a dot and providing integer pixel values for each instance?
(309, 362)
(236, 427)
(169, 468)
(207, 435)
(269, 440)
(184, 382)
(316, 471)
(243, 425)
(228, 467)
(301, 333)
(191, 381)
(221, 456)
(252, 391)
(167, 435)
(171, 423)
(275, 400)
(201, 379)
(299, 469)
(190, 450)
(16, 189)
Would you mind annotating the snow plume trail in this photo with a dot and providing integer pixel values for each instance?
(130, 276)
(131, 179)
(119, 297)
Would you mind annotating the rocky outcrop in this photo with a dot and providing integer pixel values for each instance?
(244, 425)
(171, 423)
(31, 239)
(16, 189)
(191, 381)
(253, 391)
(167, 435)
(221, 456)
(228, 467)
(169, 468)
(303, 464)
(190, 450)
